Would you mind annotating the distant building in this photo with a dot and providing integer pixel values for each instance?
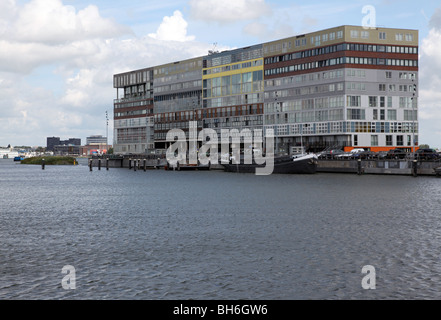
(67, 150)
(96, 140)
(54, 142)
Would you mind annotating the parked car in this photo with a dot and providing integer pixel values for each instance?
(366, 155)
(427, 154)
(396, 154)
(351, 154)
(330, 154)
(382, 155)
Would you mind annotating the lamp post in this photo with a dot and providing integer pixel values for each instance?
(414, 115)
(107, 132)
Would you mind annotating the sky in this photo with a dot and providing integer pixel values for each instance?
(58, 57)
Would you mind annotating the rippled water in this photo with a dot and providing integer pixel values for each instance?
(216, 235)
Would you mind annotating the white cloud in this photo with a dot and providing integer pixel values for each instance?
(173, 28)
(51, 22)
(60, 82)
(429, 84)
(228, 10)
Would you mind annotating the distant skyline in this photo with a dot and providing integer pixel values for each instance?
(58, 57)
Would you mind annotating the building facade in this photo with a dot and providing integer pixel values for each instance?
(345, 87)
(96, 140)
(53, 142)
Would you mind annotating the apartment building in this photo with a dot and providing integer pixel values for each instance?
(344, 87)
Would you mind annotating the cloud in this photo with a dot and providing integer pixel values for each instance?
(430, 82)
(51, 22)
(173, 28)
(228, 10)
(435, 20)
(60, 82)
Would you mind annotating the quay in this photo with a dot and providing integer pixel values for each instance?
(380, 166)
(143, 162)
(350, 166)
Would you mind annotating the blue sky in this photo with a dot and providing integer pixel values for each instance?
(57, 57)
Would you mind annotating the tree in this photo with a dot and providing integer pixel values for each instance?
(424, 146)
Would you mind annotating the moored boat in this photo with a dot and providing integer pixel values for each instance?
(298, 164)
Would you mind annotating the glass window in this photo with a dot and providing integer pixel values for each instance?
(389, 140)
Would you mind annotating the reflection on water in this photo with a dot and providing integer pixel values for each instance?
(215, 235)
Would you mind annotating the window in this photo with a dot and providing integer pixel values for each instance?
(382, 102)
(382, 35)
(400, 141)
(365, 34)
(389, 102)
(354, 34)
(355, 140)
(409, 37)
(388, 75)
(332, 36)
(374, 140)
(389, 141)
(392, 115)
(354, 101)
(375, 117)
(399, 37)
(382, 87)
(339, 34)
(382, 115)
(356, 114)
(325, 37)
(373, 101)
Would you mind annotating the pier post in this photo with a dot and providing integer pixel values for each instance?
(107, 164)
(99, 164)
(90, 165)
(145, 165)
(42, 164)
(130, 164)
(134, 165)
(360, 170)
(415, 168)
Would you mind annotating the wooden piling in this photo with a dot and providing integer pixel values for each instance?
(415, 168)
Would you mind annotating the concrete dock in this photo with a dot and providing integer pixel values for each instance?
(383, 167)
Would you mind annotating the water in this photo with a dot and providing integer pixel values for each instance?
(213, 235)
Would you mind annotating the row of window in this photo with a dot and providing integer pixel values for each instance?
(343, 127)
(178, 86)
(131, 135)
(237, 66)
(133, 78)
(340, 61)
(208, 113)
(339, 48)
(140, 103)
(179, 67)
(133, 113)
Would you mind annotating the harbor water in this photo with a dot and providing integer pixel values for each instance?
(161, 235)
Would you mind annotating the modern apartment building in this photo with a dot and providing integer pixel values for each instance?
(345, 87)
